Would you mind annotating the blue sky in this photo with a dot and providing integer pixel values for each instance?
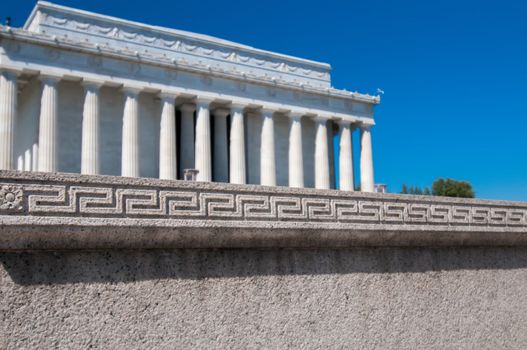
(454, 73)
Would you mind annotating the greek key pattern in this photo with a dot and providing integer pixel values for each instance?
(95, 200)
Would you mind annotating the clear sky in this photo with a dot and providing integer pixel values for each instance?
(454, 73)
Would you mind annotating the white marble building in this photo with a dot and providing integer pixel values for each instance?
(87, 93)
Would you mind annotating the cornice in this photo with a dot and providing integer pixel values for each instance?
(62, 43)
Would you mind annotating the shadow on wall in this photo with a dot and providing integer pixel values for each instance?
(38, 268)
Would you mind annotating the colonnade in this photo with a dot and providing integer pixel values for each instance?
(195, 141)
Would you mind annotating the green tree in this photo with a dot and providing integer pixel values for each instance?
(452, 188)
(415, 190)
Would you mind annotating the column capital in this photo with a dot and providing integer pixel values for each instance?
(344, 122)
(365, 126)
(354, 126)
(168, 96)
(221, 112)
(91, 84)
(187, 107)
(295, 115)
(49, 79)
(131, 91)
(10, 72)
(321, 118)
(268, 111)
(203, 101)
(238, 107)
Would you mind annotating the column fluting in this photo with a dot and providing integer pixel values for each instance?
(237, 146)
(167, 138)
(8, 108)
(47, 134)
(130, 141)
(267, 151)
(321, 155)
(90, 161)
(186, 135)
(346, 182)
(203, 156)
(221, 148)
(367, 183)
(296, 160)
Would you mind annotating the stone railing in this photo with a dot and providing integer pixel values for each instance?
(67, 211)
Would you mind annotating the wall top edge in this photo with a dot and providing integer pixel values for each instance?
(75, 178)
(45, 5)
(68, 211)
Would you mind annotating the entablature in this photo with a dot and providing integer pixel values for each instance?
(178, 64)
(20, 51)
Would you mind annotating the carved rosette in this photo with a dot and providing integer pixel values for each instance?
(11, 197)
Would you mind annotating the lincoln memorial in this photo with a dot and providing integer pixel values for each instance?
(87, 93)
(103, 246)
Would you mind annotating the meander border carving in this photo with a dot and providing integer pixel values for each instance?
(28, 197)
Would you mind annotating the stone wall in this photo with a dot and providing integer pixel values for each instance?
(111, 262)
(398, 298)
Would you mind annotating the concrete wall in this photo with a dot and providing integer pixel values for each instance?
(137, 263)
(347, 298)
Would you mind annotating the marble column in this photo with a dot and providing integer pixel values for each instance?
(221, 147)
(346, 182)
(237, 146)
(202, 147)
(267, 151)
(34, 158)
(130, 142)
(186, 135)
(90, 162)
(296, 161)
(8, 107)
(47, 133)
(367, 183)
(321, 154)
(167, 138)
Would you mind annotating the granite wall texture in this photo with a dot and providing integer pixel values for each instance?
(413, 298)
(121, 263)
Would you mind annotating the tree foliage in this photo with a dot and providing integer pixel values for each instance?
(442, 187)
(415, 190)
(452, 188)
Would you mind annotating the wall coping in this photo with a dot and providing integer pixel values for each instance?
(55, 211)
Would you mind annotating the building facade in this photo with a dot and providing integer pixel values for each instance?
(87, 93)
